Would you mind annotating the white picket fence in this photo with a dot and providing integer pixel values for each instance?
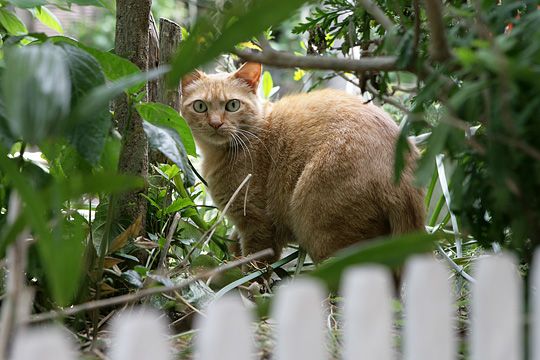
(226, 332)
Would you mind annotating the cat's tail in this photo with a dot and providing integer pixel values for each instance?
(408, 214)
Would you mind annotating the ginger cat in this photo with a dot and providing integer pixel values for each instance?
(322, 164)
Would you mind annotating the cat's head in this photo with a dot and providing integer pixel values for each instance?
(219, 107)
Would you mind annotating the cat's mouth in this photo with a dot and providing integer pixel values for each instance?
(220, 136)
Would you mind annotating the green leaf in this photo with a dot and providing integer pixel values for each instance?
(37, 91)
(178, 204)
(391, 251)
(164, 115)
(99, 97)
(86, 134)
(167, 140)
(27, 3)
(12, 23)
(47, 18)
(62, 257)
(114, 66)
(237, 25)
(267, 84)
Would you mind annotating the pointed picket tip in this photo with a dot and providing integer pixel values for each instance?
(496, 324)
(46, 343)
(226, 332)
(429, 314)
(140, 334)
(534, 291)
(367, 313)
(299, 312)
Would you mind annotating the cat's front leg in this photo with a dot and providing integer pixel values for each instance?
(258, 236)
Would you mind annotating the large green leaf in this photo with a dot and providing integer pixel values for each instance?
(168, 141)
(47, 18)
(37, 91)
(12, 23)
(164, 115)
(234, 26)
(100, 96)
(96, 102)
(87, 134)
(114, 66)
(387, 251)
(62, 257)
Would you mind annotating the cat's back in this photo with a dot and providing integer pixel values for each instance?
(314, 117)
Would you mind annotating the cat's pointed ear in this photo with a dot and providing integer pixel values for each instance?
(191, 77)
(250, 72)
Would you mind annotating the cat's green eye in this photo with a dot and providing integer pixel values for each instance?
(232, 105)
(199, 106)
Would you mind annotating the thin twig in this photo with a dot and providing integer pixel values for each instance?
(377, 13)
(387, 99)
(210, 232)
(456, 267)
(122, 299)
(440, 51)
(185, 302)
(168, 240)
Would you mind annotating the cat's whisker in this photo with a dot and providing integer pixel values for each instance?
(233, 150)
(246, 133)
(246, 148)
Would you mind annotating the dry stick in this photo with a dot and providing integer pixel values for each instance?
(168, 240)
(387, 99)
(16, 306)
(210, 232)
(440, 51)
(285, 60)
(377, 13)
(146, 292)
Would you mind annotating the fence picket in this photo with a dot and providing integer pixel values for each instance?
(496, 327)
(428, 332)
(298, 310)
(140, 334)
(47, 343)
(534, 292)
(367, 314)
(225, 332)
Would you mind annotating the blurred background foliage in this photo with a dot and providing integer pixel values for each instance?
(472, 111)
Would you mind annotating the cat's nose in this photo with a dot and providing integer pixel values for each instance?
(215, 123)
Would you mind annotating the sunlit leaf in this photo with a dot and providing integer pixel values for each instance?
(12, 23)
(47, 18)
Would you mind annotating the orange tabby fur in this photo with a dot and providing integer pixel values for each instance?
(322, 165)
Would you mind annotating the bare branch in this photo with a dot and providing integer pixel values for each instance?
(172, 229)
(123, 299)
(285, 60)
(440, 51)
(377, 13)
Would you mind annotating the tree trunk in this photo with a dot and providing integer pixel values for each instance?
(170, 36)
(131, 42)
